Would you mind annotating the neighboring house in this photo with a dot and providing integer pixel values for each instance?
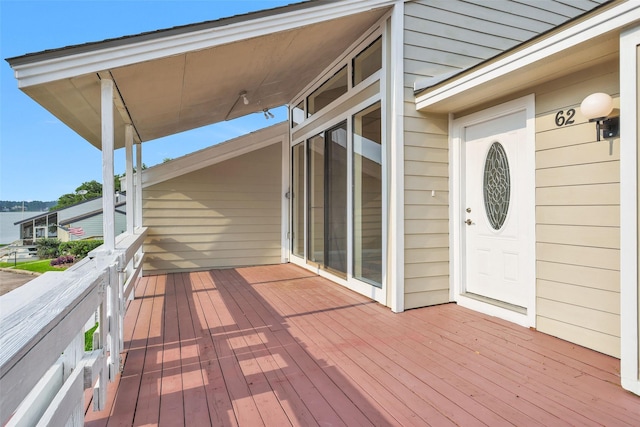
(77, 222)
(436, 151)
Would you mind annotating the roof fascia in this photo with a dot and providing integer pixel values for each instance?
(215, 154)
(89, 214)
(33, 218)
(602, 23)
(100, 58)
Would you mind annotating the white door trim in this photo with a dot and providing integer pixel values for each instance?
(456, 183)
(629, 303)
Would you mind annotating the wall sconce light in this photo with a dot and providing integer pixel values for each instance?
(243, 95)
(267, 114)
(597, 107)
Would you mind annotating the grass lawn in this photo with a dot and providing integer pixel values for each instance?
(39, 266)
(11, 264)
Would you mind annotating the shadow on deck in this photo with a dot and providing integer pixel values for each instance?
(278, 346)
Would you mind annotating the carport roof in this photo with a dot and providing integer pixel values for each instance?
(181, 78)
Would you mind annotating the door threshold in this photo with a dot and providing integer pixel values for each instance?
(505, 305)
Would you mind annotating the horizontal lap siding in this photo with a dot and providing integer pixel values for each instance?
(443, 36)
(223, 215)
(577, 217)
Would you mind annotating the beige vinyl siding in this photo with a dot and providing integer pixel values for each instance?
(577, 217)
(426, 215)
(223, 215)
(443, 36)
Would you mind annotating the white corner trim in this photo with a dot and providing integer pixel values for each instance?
(396, 142)
(629, 310)
(609, 20)
(215, 154)
(100, 59)
(285, 198)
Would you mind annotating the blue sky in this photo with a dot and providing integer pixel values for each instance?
(40, 158)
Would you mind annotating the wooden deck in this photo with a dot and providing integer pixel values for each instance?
(278, 346)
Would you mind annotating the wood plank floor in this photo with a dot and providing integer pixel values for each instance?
(279, 346)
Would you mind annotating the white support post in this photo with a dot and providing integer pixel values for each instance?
(131, 202)
(138, 202)
(108, 190)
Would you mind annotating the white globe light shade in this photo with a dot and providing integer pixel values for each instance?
(596, 105)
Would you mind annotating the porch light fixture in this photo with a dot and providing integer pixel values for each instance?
(597, 107)
(268, 114)
(243, 95)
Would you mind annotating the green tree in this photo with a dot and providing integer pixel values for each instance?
(86, 190)
(116, 178)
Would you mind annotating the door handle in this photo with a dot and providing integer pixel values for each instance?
(468, 222)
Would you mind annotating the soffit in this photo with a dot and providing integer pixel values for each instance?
(177, 93)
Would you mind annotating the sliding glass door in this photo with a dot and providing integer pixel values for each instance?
(316, 168)
(297, 198)
(327, 188)
(336, 200)
(367, 195)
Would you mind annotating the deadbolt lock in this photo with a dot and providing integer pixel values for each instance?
(468, 210)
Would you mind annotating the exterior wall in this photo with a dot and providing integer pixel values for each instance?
(426, 253)
(442, 37)
(223, 215)
(92, 227)
(578, 217)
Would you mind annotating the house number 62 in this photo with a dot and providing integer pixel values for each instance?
(565, 118)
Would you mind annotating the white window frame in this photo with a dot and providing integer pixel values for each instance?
(306, 129)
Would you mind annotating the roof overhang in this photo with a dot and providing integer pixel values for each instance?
(578, 45)
(179, 79)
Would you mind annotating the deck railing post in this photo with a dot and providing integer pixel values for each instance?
(114, 320)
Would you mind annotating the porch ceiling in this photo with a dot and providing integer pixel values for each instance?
(200, 86)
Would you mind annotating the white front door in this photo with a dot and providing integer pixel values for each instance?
(496, 211)
(494, 244)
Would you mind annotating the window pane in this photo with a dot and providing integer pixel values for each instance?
(367, 62)
(330, 90)
(315, 167)
(336, 210)
(297, 114)
(297, 195)
(367, 195)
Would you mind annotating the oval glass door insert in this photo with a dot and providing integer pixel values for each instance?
(496, 185)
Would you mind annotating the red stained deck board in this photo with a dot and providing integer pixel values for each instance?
(148, 402)
(280, 369)
(559, 386)
(195, 399)
(316, 390)
(452, 399)
(227, 373)
(277, 345)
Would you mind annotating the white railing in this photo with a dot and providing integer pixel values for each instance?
(44, 369)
